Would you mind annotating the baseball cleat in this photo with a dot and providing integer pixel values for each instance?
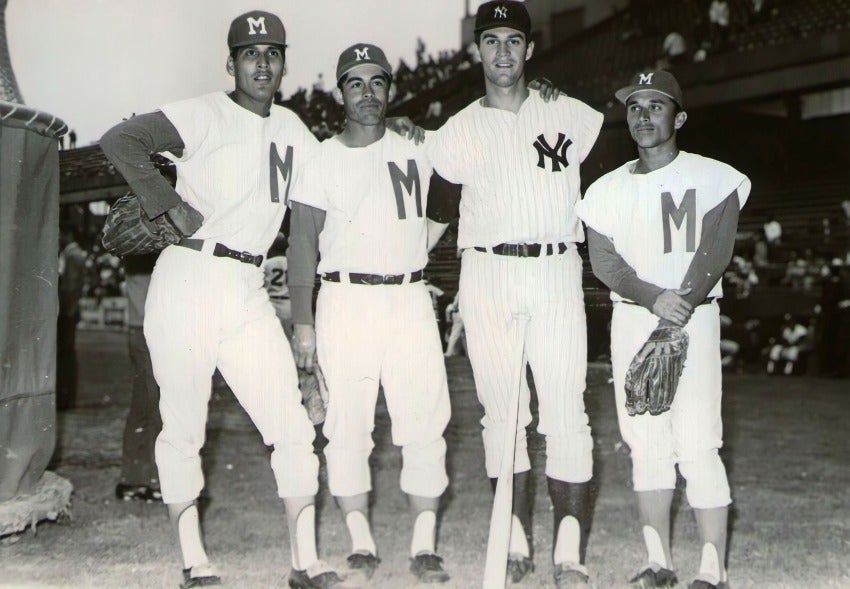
(322, 577)
(362, 565)
(649, 578)
(569, 575)
(199, 576)
(428, 568)
(518, 567)
(127, 492)
(701, 584)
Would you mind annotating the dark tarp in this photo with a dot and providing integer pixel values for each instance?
(29, 242)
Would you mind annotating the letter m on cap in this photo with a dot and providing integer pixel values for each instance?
(361, 54)
(257, 25)
(645, 78)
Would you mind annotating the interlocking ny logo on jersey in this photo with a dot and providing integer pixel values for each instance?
(670, 212)
(500, 12)
(257, 26)
(557, 153)
(645, 79)
(361, 54)
(406, 183)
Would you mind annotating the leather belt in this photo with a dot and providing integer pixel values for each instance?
(525, 250)
(705, 301)
(222, 251)
(372, 279)
(278, 298)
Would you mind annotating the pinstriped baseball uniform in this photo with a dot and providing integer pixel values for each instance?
(655, 221)
(520, 177)
(204, 311)
(375, 199)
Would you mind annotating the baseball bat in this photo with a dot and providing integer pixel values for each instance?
(498, 542)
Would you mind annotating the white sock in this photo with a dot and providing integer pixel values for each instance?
(654, 548)
(709, 564)
(569, 538)
(189, 534)
(361, 535)
(304, 544)
(519, 543)
(424, 533)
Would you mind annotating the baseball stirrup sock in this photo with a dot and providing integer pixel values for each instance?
(189, 534)
(709, 564)
(654, 547)
(519, 540)
(361, 535)
(424, 533)
(569, 541)
(303, 542)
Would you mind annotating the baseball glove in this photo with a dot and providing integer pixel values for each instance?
(653, 375)
(314, 394)
(128, 232)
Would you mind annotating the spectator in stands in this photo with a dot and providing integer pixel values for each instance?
(719, 20)
(72, 276)
(759, 11)
(454, 318)
(675, 51)
(760, 254)
(773, 232)
(72, 139)
(729, 348)
(794, 340)
(139, 476)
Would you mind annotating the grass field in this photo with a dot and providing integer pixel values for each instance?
(786, 451)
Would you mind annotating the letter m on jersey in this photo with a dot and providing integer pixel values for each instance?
(686, 211)
(557, 153)
(406, 183)
(282, 167)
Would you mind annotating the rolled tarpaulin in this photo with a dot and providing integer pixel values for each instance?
(29, 242)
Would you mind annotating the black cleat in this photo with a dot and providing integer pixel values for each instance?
(127, 492)
(324, 577)
(363, 565)
(567, 576)
(518, 567)
(700, 584)
(649, 578)
(428, 568)
(200, 579)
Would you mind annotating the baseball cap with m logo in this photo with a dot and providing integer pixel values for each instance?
(256, 28)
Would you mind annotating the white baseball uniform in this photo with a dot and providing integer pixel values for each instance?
(375, 198)
(520, 177)
(204, 311)
(274, 270)
(655, 223)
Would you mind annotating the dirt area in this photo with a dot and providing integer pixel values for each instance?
(786, 449)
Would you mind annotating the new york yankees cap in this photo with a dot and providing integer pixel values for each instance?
(503, 13)
(361, 54)
(256, 28)
(659, 80)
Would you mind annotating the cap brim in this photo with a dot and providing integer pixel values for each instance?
(249, 43)
(623, 94)
(345, 71)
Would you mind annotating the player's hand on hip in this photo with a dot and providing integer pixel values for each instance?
(407, 128)
(548, 91)
(185, 218)
(671, 306)
(304, 346)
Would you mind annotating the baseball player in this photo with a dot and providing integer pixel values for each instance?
(362, 205)
(661, 230)
(517, 159)
(235, 154)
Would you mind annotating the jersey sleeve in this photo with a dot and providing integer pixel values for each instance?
(308, 185)
(595, 208)
(191, 118)
(439, 146)
(588, 123)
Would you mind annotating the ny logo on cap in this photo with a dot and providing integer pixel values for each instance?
(257, 25)
(361, 54)
(500, 12)
(645, 78)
